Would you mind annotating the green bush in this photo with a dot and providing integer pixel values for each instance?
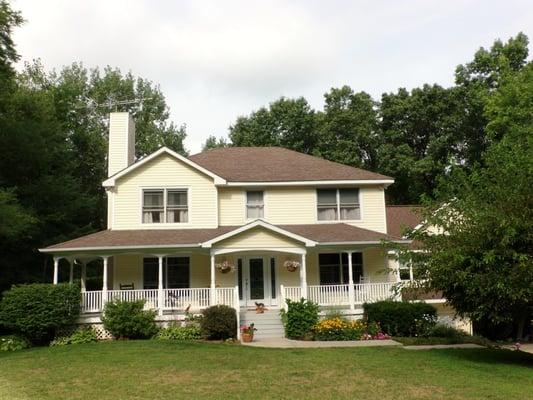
(129, 320)
(402, 318)
(445, 331)
(80, 336)
(179, 333)
(38, 311)
(13, 343)
(300, 319)
(219, 322)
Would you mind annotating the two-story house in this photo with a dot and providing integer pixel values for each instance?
(236, 226)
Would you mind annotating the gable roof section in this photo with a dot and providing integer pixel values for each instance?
(401, 218)
(265, 225)
(277, 164)
(163, 150)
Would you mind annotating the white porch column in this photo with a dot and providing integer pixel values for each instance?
(83, 276)
(160, 294)
(303, 277)
(71, 271)
(56, 270)
(351, 291)
(212, 286)
(104, 281)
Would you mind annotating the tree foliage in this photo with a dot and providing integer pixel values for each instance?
(483, 263)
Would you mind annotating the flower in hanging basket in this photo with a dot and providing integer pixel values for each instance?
(225, 267)
(291, 265)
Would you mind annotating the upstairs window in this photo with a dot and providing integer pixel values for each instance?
(338, 204)
(160, 205)
(177, 208)
(153, 206)
(255, 205)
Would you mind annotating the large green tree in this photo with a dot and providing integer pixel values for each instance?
(483, 263)
(286, 122)
(348, 128)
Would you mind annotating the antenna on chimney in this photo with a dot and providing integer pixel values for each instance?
(115, 103)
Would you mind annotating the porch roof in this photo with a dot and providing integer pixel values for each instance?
(337, 233)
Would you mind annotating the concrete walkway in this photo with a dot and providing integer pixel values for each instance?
(284, 343)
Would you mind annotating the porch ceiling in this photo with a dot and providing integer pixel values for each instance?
(109, 240)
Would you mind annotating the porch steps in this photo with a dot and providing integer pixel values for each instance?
(268, 324)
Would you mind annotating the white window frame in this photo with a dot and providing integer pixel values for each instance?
(165, 191)
(338, 200)
(246, 204)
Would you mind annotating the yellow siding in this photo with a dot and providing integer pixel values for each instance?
(375, 264)
(292, 206)
(121, 142)
(258, 238)
(231, 206)
(127, 269)
(165, 171)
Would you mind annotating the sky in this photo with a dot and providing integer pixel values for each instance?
(217, 60)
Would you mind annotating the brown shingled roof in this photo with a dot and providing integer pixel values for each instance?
(321, 233)
(400, 218)
(276, 164)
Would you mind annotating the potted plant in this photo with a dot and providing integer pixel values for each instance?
(247, 332)
(291, 265)
(225, 267)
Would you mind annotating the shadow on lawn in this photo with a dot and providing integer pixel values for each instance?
(492, 356)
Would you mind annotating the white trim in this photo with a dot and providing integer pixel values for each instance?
(402, 241)
(111, 181)
(263, 224)
(291, 250)
(358, 182)
(136, 247)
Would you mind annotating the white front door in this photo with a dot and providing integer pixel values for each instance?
(257, 277)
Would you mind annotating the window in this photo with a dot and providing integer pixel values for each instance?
(333, 268)
(150, 273)
(153, 209)
(176, 272)
(170, 205)
(254, 204)
(338, 204)
(177, 210)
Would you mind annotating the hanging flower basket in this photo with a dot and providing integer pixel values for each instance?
(225, 267)
(291, 265)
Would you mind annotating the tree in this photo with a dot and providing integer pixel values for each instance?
(213, 143)
(9, 19)
(483, 263)
(349, 131)
(288, 123)
(418, 140)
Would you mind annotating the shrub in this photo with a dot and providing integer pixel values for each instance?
(13, 343)
(445, 331)
(219, 322)
(300, 318)
(129, 320)
(179, 333)
(402, 318)
(38, 311)
(80, 336)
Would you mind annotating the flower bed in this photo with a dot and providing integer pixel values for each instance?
(338, 328)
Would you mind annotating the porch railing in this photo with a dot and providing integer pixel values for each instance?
(329, 295)
(173, 299)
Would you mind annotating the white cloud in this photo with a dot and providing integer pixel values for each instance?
(216, 60)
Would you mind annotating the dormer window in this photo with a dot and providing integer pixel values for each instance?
(165, 205)
(338, 204)
(255, 205)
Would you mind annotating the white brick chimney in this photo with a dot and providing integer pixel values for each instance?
(121, 142)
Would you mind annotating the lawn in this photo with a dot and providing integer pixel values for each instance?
(172, 370)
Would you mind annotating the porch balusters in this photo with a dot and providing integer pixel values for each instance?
(303, 277)
(351, 291)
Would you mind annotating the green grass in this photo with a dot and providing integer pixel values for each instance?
(173, 370)
(415, 341)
